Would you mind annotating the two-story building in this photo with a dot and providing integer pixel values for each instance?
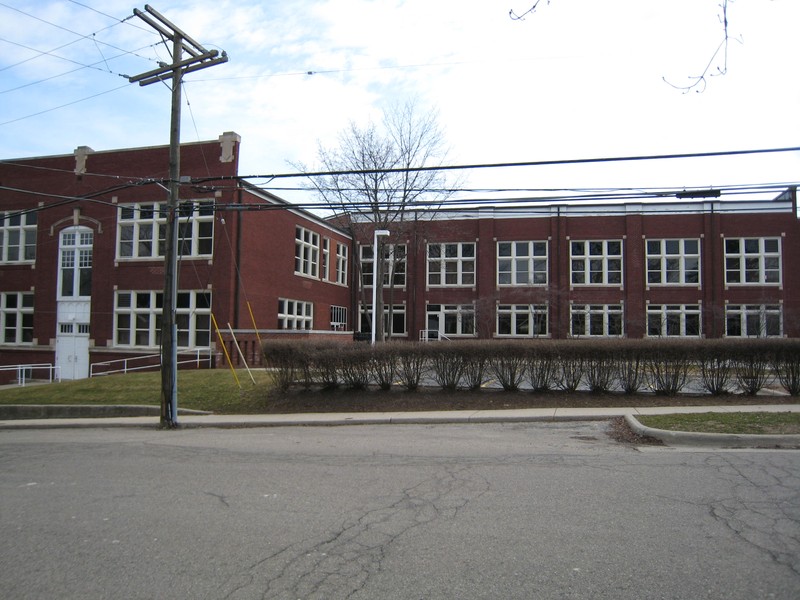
(82, 259)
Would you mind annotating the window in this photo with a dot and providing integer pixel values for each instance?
(142, 229)
(664, 320)
(526, 320)
(522, 263)
(338, 318)
(341, 264)
(295, 314)
(17, 237)
(16, 317)
(306, 252)
(398, 319)
(596, 262)
(753, 320)
(451, 319)
(394, 265)
(137, 321)
(673, 262)
(75, 256)
(596, 320)
(753, 261)
(326, 259)
(451, 264)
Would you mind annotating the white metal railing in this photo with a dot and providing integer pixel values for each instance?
(25, 372)
(432, 335)
(127, 365)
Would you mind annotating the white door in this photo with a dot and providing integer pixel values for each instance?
(72, 350)
(74, 302)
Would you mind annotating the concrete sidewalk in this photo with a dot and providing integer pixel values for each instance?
(527, 415)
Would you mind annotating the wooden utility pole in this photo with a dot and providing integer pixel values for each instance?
(198, 58)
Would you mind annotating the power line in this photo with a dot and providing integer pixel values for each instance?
(535, 163)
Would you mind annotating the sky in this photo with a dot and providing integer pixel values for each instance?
(575, 79)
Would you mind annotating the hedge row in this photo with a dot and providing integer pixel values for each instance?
(630, 366)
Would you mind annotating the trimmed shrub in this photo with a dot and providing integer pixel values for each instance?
(383, 364)
(602, 368)
(507, 365)
(786, 364)
(476, 364)
(716, 367)
(542, 366)
(446, 364)
(355, 366)
(412, 365)
(668, 368)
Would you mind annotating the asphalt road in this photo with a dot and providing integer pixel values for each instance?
(517, 511)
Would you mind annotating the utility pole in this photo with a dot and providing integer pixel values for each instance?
(198, 58)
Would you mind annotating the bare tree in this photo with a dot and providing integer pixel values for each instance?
(381, 177)
(717, 64)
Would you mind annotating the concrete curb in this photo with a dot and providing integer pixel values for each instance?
(83, 411)
(716, 440)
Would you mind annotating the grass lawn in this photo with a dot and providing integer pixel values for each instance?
(213, 390)
(748, 423)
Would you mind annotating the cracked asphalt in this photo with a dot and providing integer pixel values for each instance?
(512, 511)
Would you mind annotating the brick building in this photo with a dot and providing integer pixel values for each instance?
(82, 269)
(702, 268)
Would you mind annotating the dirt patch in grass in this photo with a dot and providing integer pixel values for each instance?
(375, 400)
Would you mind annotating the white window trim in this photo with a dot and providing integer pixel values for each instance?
(341, 263)
(682, 256)
(153, 312)
(460, 260)
(529, 311)
(682, 311)
(460, 311)
(530, 259)
(390, 265)
(295, 315)
(19, 314)
(742, 257)
(397, 309)
(306, 252)
(587, 259)
(761, 310)
(156, 220)
(606, 310)
(24, 231)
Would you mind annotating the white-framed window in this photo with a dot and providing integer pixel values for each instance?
(326, 259)
(341, 264)
(295, 314)
(522, 320)
(18, 237)
(521, 263)
(16, 317)
(451, 264)
(142, 229)
(451, 319)
(752, 261)
(673, 262)
(137, 318)
(398, 319)
(75, 263)
(338, 318)
(596, 262)
(306, 252)
(667, 320)
(601, 320)
(394, 265)
(753, 320)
